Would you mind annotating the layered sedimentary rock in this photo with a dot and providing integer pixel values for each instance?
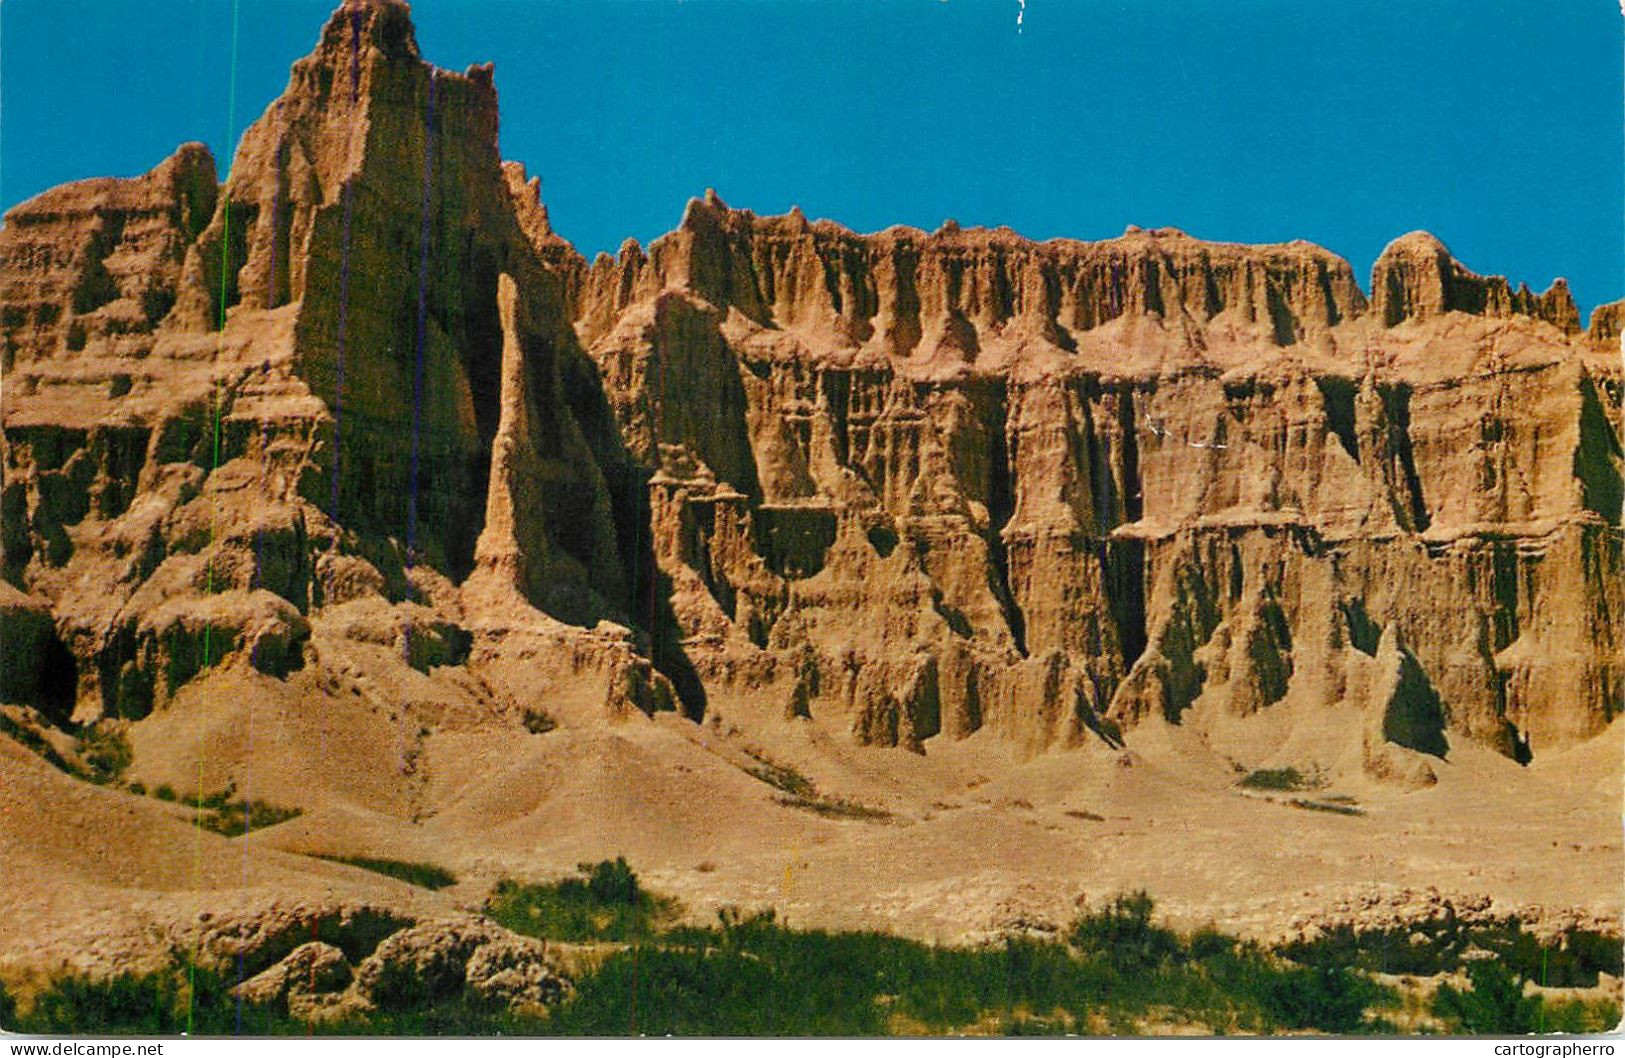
(907, 485)
(230, 409)
(962, 479)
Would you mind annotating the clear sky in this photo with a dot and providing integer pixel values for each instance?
(1495, 124)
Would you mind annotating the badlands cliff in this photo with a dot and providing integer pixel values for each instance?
(357, 424)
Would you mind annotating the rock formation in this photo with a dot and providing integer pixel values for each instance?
(909, 485)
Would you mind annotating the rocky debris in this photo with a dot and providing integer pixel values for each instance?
(1388, 908)
(312, 968)
(444, 957)
(418, 963)
(514, 971)
(259, 939)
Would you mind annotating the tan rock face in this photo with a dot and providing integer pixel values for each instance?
(967, 480)
(913, 485)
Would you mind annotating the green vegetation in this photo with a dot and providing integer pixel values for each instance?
(1276, 779)
(605, 903)
(221, 814)
(182, 998)
(1494, 1004)
(1329, 805)
(239, 817)
(424, 875)
(30, 739)
(835, 808)
(801, 792)
(782, 777)
(1116, 971)
(106, 754)
(1445, 945)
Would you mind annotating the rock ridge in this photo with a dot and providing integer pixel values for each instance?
(359, 413)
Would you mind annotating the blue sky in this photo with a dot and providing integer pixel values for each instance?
(1497, 125)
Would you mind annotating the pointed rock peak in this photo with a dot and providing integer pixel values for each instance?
(382, 24)
(631, 251)
(1412, 278)
(1415, 244)
(1416, 278)
(1607, 322)
(1133, 229)
(520, 180)
(949, 227)
(707, 212)
(191, 157)
(525, 191)
(1388, 645)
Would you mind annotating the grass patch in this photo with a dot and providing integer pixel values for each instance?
(1571, 959)
(222, 812)
(783, 778)
(219, 813)
(239, 817)
(604, 902)
(1335, 807)
(539, 721)
(800, 792)
(30, 739)
(423, 875)
(835, 808)
(106, 754)
(1276, 779)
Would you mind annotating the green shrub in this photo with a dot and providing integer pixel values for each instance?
(1571, 959)
(238, 818)
(425, 875)
(144, 1004)
(1578, 1016)
(782, 777)
(1494, 1005)
(1329, 998)
(1327, 806)
(30, 739)
(1121, 934)
(106, 753)
(1275, 779)
(8, 1010)
(164, 792)
(612, 882)
(605, 902)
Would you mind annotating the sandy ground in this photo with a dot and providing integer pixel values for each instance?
(973, 839)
